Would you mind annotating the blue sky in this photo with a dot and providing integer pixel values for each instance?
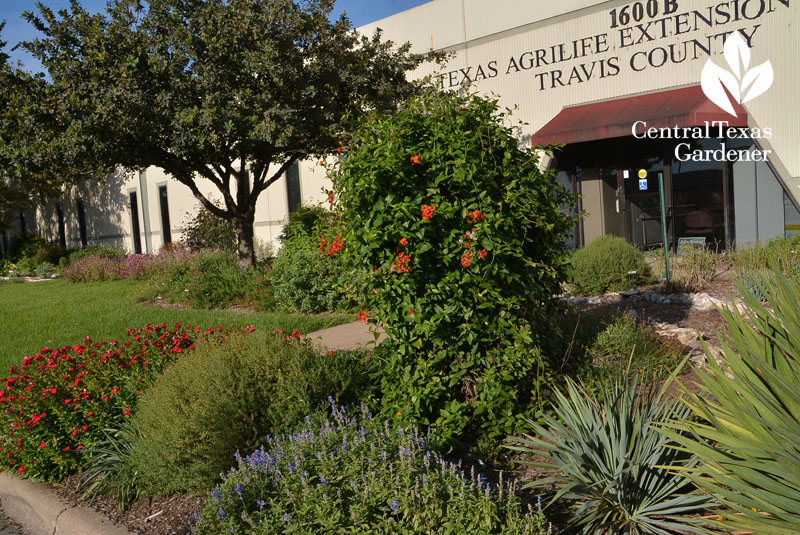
(359, 11)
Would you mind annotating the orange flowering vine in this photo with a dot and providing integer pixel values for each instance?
(466, 260)
(401, 263)
(474, 216)
(335, 246)
(427, 211)
(415, 159)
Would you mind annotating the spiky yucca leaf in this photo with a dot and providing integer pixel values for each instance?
(609, 461)
(748, 434)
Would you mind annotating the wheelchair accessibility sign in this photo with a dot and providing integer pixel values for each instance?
(642, 184)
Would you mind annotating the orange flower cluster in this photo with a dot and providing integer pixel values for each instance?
(428, 211)
(401, 263)
(330, 198)
(339, 148)
(466, 260)
(334, 247)
(362, 316)
(474, 216)
(403, 242)
(415, 159)
(482, 253)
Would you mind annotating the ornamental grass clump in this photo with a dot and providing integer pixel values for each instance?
(746, 425)
(358, 474)
(463, 240)
(59, 401)
(611, 464)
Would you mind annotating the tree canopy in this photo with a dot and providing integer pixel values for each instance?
(196, 87)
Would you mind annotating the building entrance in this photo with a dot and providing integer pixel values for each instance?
(701, 197)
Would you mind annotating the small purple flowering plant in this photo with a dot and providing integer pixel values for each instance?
(355, 474)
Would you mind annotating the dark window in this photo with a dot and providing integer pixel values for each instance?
(162, 196)
(82, 223)
(23, 224)
(62, 234)
(137, 239)
(293, 187)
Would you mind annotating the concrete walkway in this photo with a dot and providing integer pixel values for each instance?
(8, 528)
(350, 336)
(40, 511)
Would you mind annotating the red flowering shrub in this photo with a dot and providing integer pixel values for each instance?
(58, 402)
(481, 235)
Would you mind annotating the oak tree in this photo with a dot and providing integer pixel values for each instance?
(201, 87)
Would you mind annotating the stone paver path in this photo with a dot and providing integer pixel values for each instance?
(350, 336)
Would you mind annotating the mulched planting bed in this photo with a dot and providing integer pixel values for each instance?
(175, 515)
(149, 516)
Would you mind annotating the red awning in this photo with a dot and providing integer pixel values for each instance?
(614, 118)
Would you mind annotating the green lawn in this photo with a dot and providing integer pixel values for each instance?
(34, 315)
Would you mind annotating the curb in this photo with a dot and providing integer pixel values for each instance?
(39, 511)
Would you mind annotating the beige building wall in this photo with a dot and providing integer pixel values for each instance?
(539, 57)
(545, 56)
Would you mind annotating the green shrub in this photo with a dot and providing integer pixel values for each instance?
(207, 231)
(609, 462)
(308, 276)
(608, 264)
(211, 280)
(747, 424)
(464, 239)
(777, 253)
(45, 270)
(21, 247)
(304, 221)
(227, 398)
(103, 251)
(26, 266)
(356, 474)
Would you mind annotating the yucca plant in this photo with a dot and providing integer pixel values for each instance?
(609, 461)
(747, 434)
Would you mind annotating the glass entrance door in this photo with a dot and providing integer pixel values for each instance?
(643, 206)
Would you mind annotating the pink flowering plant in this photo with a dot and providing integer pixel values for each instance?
(464, 240)
(58, 402)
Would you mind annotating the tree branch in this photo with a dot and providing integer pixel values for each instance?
(262, 185)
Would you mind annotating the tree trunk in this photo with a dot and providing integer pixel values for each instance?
(243, 221)
(243, 227)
